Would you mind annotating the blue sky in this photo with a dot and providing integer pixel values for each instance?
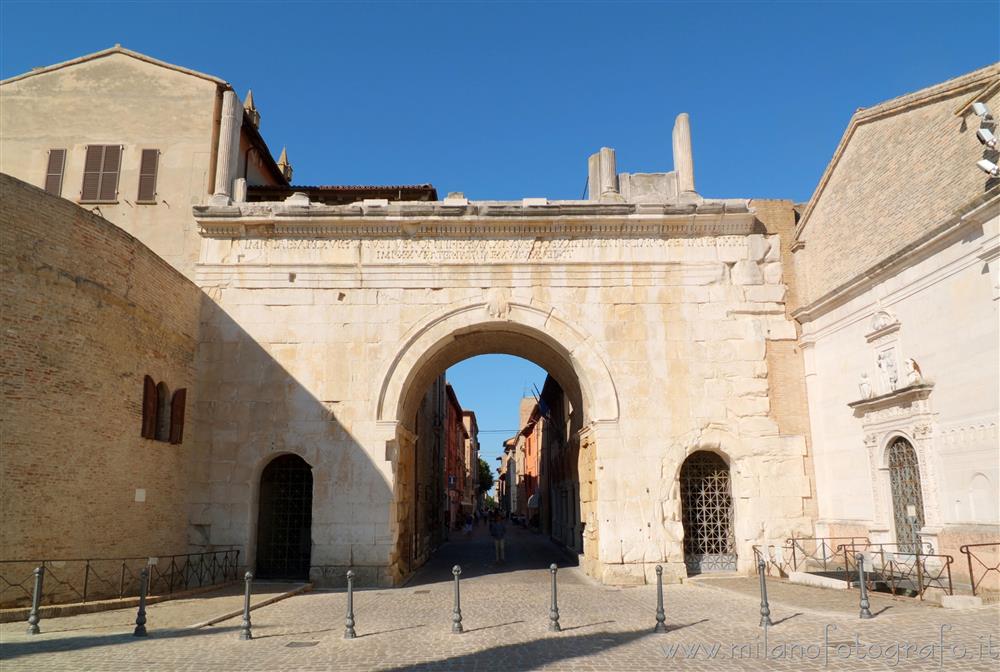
(507, 99)
(492, 386)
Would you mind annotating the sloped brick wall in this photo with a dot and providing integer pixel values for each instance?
(87, 311)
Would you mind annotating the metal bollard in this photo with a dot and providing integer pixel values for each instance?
(349, 624)
(36, 601)
(866, 611)
(245, 632)
(456, 613)
(661, 617)
(765, 609)
(554, 609)
(140, 617)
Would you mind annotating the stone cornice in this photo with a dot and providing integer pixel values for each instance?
(904, 395)
(712, 218)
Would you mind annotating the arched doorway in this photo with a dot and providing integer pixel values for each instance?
(284, 519)
(707, 514)
(907, 497)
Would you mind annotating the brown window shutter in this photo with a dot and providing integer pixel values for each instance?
(147, 175)
(92, 173)
(177, 416)
(54, 171)
(109, 172)
(148, 408)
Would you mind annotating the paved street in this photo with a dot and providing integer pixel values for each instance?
(713, 624)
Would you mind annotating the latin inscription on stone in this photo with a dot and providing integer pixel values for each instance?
(433, 250)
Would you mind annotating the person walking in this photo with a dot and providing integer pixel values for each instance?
(498, 531)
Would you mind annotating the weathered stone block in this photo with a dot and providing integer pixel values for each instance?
(757, 247)
(772, 273)
(746, 273)
(765, 293)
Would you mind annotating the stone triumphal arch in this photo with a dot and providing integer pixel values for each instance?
(661, 314)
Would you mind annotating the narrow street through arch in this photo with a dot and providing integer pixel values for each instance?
(526, 552)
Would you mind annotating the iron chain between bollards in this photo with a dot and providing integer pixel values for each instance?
(349, 623)
(245, 631)
(140, 616)
(765, 608)
(554, 609)
(456, 614)
(36, 601)
(866, 611)
(661, 617)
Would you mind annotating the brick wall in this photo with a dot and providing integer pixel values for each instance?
(785, 366)
(904, 167)
(87, 311)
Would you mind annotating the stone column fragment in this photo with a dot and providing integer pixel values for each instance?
(683, 157)
(228, 158)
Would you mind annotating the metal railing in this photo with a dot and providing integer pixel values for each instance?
(777, 559)
(899, 567)
(978, 557)
(802, 554)
(89, 579)
(818, 552)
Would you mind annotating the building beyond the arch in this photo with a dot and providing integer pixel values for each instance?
(319, 318)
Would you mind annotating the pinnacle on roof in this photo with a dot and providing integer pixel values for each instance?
(284, 166)
(251, 110)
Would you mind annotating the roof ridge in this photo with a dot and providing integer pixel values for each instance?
(117, 49)
(932, 91)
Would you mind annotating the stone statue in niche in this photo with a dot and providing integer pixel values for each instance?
(913, 374)
(865, 386)
(887, 365)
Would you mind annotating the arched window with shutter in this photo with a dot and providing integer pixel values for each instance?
(177, 415)
(149, 408)
(162, 412)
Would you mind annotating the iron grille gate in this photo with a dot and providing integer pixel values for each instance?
(284, 528)
(707, 513)
(907, 498)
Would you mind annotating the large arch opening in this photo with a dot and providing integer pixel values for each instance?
(545, 478)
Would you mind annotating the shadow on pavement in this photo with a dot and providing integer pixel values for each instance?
(490, 627)
(41, 644)
(531, 655)
(786, 618)
(681, 626)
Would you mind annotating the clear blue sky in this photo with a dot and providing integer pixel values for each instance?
(507, 99)
(492, 386)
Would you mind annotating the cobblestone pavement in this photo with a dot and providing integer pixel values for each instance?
(713, 624)
(171, 614)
